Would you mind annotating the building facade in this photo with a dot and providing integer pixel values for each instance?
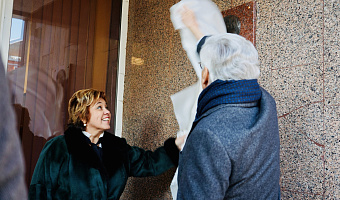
(130, 50)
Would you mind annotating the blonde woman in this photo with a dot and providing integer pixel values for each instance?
(89, 163)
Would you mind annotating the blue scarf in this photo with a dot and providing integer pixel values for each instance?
(227, 92)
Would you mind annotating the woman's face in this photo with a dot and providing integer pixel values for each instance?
(100, 117)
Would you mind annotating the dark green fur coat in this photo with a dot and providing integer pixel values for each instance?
(68, 168)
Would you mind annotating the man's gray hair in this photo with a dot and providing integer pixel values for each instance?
(230, 57)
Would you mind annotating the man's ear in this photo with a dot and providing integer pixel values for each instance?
(205, 78)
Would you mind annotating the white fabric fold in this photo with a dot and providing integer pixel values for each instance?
(210, 22)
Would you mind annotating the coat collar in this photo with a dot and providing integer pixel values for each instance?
(207, 113)
(114, 150)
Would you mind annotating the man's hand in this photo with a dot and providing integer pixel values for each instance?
(189, 20)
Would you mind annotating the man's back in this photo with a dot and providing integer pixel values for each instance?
(233, 153)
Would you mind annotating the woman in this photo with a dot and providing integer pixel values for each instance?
(89, 163)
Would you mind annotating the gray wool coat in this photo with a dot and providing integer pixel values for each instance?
(233, 153)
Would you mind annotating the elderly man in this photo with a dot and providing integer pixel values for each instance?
(232, 151)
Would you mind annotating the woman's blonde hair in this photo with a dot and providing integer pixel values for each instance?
(78, 106)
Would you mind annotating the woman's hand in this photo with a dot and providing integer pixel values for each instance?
(180, 140)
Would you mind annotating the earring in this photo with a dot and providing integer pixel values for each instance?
(84, 124)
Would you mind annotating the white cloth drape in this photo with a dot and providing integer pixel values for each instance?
(210, 22)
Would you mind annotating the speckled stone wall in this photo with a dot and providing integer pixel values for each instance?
(298, 44)
(156, 67)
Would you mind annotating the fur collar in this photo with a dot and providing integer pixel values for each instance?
(115, 150)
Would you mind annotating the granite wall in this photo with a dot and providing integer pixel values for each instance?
(298, 44)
